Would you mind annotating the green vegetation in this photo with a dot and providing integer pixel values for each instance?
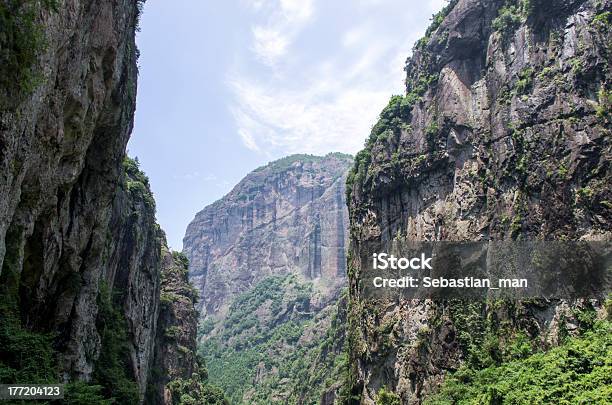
(604, 103)
(137, 183)
(167, 298)
(172, 332)
(585, 193)
(438, 18)
(577, 66)
(80, 393)
(432, 130)
(25, 356)
(286, 162)
(577, 372)
(525, 81)
(511, 15)
(261, 324)
(205, 327)
(196, 391)
(281, 165)
(396, 116)
(29, 356)
(111, 368)
(21, 41)
(546, 73)
(385, 397)
(232, 363)
(508, 18)
(393, 119)
(358, 171)
(436, 21)
(181, 259)
(603, 20)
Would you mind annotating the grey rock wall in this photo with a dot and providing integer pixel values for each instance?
(279, 234)
(62, 150)
(72, 215)
(175, 348)
(504, 133)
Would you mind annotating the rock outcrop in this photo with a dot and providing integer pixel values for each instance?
(175, 356)
(503, 133)
(269, 261)
(80, 251)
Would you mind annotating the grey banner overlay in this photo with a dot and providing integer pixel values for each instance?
(490, 269)
(31, 391)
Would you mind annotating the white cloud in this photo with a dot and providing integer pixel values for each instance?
(354, 36)
(195, 176)
(255, 4)
(327, 94)
(269, 44)
(320, 118)
(296, 10)
(272, 38)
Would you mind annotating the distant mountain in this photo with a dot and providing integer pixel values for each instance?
(269, 261)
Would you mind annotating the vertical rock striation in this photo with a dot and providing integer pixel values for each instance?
(175, 351)
(288, 217)
(503, 133)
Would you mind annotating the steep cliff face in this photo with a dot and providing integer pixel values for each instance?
(62, 149)
(176, 370)
(269, 260)
(80, 251)
(131, 270)
(178, 319)
(285, 218)
(503, 133)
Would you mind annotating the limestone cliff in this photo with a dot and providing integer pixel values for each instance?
(269, 261)
(80, 251)
(503, 133)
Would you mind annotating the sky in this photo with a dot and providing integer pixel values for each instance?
(226, 86)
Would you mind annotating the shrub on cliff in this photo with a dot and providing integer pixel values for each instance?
(21, 40)
(577, 372)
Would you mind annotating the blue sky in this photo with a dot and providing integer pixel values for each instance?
(226, 86)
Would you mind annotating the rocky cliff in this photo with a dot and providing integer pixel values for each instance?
(503, 133)
(288, 217)
(178, 375)
(80, 251)
(269, 261)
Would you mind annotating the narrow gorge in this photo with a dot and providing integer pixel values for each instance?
(502, 134)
